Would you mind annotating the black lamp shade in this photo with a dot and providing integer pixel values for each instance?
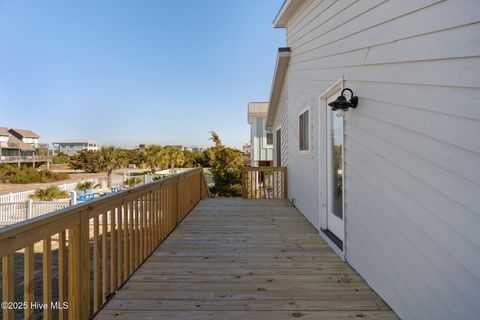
(342, 103)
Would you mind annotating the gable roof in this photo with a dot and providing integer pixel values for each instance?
(288, 8)
(24, 133)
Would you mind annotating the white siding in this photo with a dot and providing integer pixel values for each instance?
(412, 147)
(281, 121)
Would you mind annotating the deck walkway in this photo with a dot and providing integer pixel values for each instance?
(238, 259)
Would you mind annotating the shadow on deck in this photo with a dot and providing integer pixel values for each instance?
(245, 259)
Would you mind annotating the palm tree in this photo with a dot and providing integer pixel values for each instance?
(132, 182)
(153, 157)
(49, 194)
(84, 186)
(109, 159)
(173, 157)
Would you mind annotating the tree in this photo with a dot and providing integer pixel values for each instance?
(132, 182)
(226, 166)
(85, 186)
(153, 157)
(201, 159)
(49, 194)
(86, 161)
(173, 157)
(110, 158)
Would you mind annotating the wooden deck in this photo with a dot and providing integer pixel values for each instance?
(238, 259)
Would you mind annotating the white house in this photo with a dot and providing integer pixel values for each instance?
(394, 184)
(261, 140)
(71, 147)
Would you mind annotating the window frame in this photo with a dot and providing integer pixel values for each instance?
(278, 140)
(265, 132)
(305, 109)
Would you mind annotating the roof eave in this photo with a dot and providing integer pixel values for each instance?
(286, 11)
(283, 59)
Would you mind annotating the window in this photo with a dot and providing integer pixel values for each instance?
(269, 138)
(304, 139)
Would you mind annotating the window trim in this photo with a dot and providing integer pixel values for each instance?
(305, 108)
(277, 152)
(265, 144)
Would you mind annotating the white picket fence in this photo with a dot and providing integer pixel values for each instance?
(14, 212)
(25, 195)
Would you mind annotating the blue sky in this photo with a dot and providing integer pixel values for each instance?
(129, 72)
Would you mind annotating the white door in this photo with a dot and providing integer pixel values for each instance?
(335, 176)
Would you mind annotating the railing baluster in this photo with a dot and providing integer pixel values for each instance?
(112, 250)
(104, 257)
(119, 245)
(62, 274)
(96, 265)
(47, 277)
(29, 285)
(126, 258)
(137, 232)
(131, 238)
(7, 285)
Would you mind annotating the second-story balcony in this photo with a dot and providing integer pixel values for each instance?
(166, 250)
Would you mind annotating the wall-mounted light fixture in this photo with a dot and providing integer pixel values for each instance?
(341, 104)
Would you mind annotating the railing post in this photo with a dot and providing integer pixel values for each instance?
(29, 211)
(78, 270)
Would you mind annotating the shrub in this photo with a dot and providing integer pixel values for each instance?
(60, 158)
(49, 194)
(132, 182)
(226, 165)
(84, 186)
(24, 174)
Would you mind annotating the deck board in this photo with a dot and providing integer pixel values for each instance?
(245, 259)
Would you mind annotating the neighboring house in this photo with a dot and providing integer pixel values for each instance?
(246, 149)
(20, 146)
(27, 136)
(393, 185)
(260, 139)
(192, 148)
(71, 147)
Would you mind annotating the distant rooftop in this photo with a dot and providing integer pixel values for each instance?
(25, 133)
(257, 109)
(66, 141)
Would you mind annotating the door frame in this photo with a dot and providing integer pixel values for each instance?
(323, 156)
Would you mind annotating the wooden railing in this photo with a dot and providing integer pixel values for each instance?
(264, 183)
(92, 248)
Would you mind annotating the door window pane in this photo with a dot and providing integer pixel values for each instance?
(337, 165)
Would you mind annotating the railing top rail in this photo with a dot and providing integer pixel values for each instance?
(265, 168)
(31, 226)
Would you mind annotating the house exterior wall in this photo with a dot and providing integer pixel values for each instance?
(412, 146)
(281, 122)
(73, 148)
(260, 151)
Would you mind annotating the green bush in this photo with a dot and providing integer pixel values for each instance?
(132, 182)
(60, 158)
(49, 194)
(85, 186)
(24, 174)
(226, 165)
